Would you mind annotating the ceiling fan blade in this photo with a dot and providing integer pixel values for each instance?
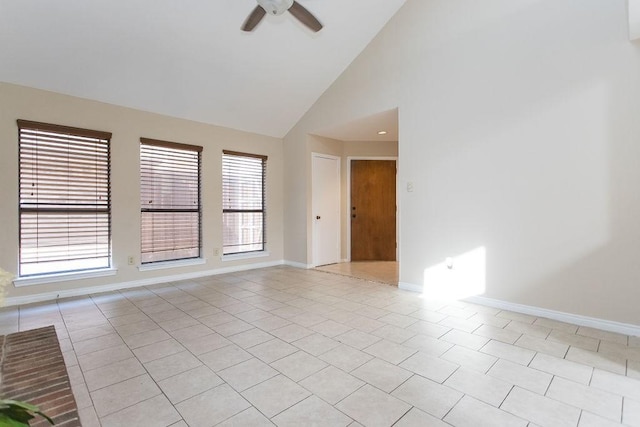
(306, 17)
(253, 19)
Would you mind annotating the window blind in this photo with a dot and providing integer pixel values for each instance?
(170, 201)
(64, 199)
(243, 193)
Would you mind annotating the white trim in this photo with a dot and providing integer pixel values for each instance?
(63, 277)
(314, 231)
(171, 264)
(409, 287)
(348, 186)
(244, 255)
(53, 295)
(574, 319)
(298, 264)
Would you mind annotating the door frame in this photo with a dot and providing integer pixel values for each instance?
(348, 213)
(313, 207)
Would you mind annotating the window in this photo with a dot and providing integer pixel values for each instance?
(65, 203)
(243, 210)
(170, 201)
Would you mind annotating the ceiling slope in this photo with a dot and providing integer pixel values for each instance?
(187, 59)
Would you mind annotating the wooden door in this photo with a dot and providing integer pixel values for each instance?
(373, 210)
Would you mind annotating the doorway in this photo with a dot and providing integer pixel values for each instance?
(373, 210)
(325, 203)
(374, 137)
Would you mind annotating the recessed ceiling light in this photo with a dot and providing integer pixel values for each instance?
(382, 132)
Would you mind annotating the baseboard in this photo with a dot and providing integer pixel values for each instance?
(297, 264)
(574, 319)
(68, 293)
(409, 287)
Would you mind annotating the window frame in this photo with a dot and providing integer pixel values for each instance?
(149, 265)
(263, 210)
(72, 136)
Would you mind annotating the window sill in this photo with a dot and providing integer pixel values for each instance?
(246, 255)
(63, 277)
(171, 264)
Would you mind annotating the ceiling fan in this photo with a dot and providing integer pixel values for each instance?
(278, 7)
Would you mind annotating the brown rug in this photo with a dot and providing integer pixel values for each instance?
(32, 370)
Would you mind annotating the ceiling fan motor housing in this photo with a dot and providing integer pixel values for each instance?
(275, 7)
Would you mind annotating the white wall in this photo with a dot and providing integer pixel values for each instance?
(520, 130)
(128, 126)
(634, 19)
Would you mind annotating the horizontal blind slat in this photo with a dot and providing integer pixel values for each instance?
(243, 196)
(169, 201)
(65, 203)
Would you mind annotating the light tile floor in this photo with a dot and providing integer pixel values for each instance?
(295, 347)
(377, 271)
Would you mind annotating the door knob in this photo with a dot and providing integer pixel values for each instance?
(318, 217)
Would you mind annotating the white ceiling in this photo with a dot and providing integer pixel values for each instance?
(187, 59)
(366, 128)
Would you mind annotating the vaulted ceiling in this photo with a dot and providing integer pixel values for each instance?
(187, 59)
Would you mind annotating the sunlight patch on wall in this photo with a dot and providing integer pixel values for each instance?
(457, 277)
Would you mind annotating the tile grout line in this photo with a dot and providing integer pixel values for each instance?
(147, 373)
(301, 291)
